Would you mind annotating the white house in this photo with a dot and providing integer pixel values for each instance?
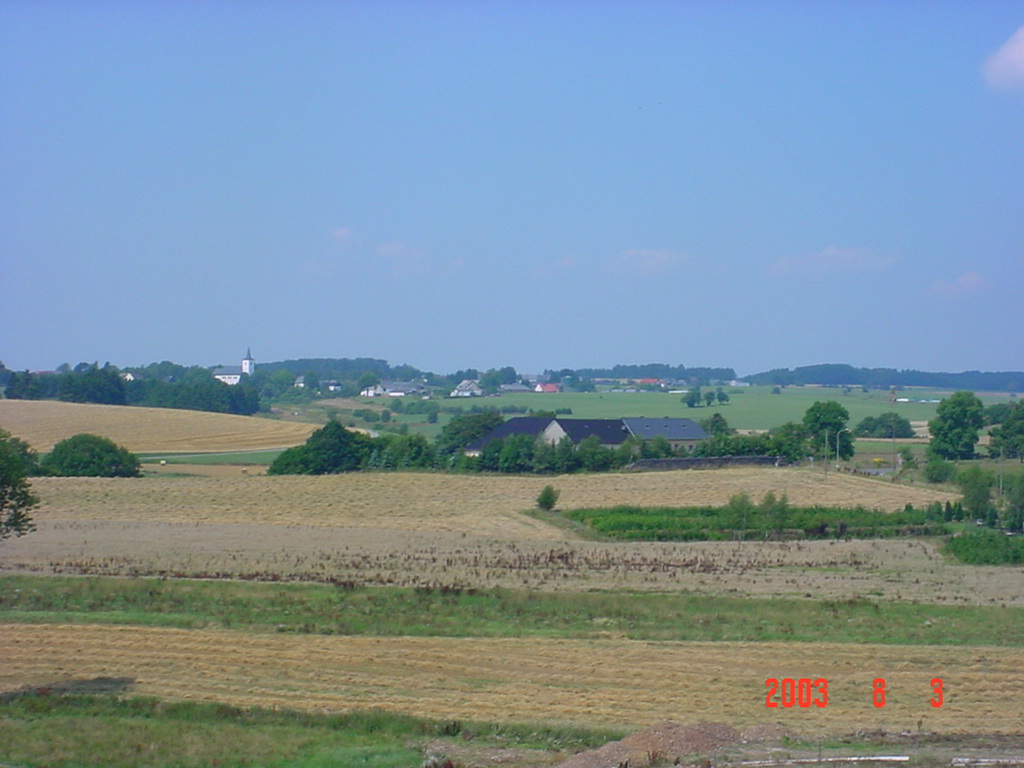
(467, 388)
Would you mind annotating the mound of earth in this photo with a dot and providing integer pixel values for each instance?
(663, 741)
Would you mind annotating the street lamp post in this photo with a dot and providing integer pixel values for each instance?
(838, 433)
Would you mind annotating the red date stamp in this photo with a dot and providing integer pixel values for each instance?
(806, 692)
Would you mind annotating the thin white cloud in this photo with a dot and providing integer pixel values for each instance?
(833, 259)
(647, 261)
(964, 285)
(1004, 69)
(402, 259)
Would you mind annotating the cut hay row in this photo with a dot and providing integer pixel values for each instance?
(596, 682)
(43, 423)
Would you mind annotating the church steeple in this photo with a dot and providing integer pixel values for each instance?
(248, 363)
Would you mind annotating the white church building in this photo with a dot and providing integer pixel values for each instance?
(232, 374)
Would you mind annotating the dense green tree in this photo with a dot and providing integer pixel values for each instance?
(86, 455)
(937, 469)
(1013, 505)
(722, 396)
(997, 413)
(367, 379)
(517, 454)
(716, 425)
(16, 497)
(889, 425)
(329, 450)
(791, 441)
(29, 458)
(1008, 437)
(657, 447)
(976, 487)
(825, 423)
(23, 386)
(566, 457)
(593, 456)
(958, 419)
(462, 430)
(93, 385)
(693, 398)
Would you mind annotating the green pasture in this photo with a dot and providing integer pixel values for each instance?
(748, 407)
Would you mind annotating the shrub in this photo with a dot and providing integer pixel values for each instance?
(938, 470)
(86, 455)
(548, 498)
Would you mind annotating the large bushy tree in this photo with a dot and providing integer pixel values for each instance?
(825, 423)
(887, 425)
(958, 420)
(16, 497)
(86, 455)
(461, 430)
(329, 450)
(1008, 437)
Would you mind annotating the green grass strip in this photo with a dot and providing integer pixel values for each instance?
(454, 612)
(61, 730)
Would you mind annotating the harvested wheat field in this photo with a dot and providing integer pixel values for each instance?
(590, 682)
(427, 529)
(442, 502)
(43, 423)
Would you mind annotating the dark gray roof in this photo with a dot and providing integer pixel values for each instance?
(608, 431)
(670, 429)
(520, 425)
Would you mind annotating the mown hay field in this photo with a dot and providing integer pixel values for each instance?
(470, 531)
(436, 501)
(43, 423)
(610, 682)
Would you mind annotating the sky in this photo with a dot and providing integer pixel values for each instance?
(544, 185)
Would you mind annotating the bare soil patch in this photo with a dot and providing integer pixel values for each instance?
(43, 423)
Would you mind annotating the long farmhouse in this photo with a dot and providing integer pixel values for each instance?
(610, 432)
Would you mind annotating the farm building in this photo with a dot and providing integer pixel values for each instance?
(610, 432)
(467, 388)
(679, 432)
(395, 389)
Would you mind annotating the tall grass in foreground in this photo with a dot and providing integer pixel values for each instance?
(457, 612)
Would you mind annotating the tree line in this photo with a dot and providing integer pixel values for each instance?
(162, 385)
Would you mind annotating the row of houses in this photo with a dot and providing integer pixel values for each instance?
(610, 432)
(465, 388)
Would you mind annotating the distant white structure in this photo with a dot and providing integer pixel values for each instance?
(231, 374)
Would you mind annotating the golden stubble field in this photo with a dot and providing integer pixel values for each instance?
(475, 531)
(432, 529)
(609, 682)
(43, 423)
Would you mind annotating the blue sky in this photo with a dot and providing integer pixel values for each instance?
(536, 184)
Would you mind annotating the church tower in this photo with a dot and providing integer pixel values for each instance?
(248, 364)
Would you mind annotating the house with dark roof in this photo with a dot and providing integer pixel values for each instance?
(533, 426)
(678, 432)
(611, 432)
